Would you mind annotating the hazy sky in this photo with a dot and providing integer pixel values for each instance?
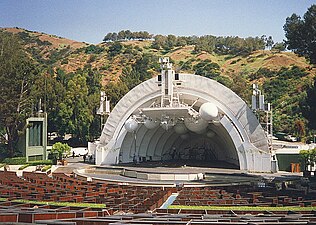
(91, 20)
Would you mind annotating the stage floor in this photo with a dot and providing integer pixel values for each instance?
(182, 166)
(153, 174)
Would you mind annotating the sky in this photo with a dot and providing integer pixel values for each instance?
(90, 20)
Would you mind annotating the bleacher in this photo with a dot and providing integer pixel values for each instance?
(244, 196)
(63, 188)
(124, 204)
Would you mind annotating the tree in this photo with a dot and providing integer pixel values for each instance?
(269, 42)
(279, 46)
(309, 106)
(159, 42)
(17, 76)
(308, 158)
(115, 49)
(60, 151)
(171, 41)
(74, 110)
(143, 69)
(301, 34)
(116, 91)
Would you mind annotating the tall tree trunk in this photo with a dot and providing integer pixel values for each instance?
(12, 140)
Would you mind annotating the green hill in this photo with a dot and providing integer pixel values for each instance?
(283, 76)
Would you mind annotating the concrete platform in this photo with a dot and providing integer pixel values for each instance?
(169, 174)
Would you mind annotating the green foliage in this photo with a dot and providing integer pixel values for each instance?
(213, 44)
(23, 166)
(115, 49)
(286, 90)
(60, 150)
(261, 73)
(279, 46)
(40, 162)
(56, 55)
(301, 33)
(46, 168)
(93, 49)
(17, 76)
(36, 163)
(207, 68)
(74, 114)
(125, 35)
(66, 204)
(229, 45)
(308, 105)
(116, 91)
(142, 70)
(27, 38)
(15, 161)
(241, 86)
(308, 158)
(71, 102)
(186, 65)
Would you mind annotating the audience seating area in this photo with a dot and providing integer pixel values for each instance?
(125, 204)
(170, 217)
(244, 196)
(63, 188)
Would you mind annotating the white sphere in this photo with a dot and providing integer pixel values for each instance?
(131, 125)
(150, 123)
(210, 134)
(208, 111)
(196, 125)
(180, 128)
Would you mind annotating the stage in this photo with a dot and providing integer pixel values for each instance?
(170, 174)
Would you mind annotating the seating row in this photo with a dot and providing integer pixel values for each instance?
(60, 187)
(244, 195)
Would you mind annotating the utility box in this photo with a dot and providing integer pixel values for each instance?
(36, 138)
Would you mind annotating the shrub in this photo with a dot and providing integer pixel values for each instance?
(23, 167)
(40, 162)
(35, 163)
(15, 161)
(46, 168)
(60, 150)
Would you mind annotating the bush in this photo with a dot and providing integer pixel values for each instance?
(15, 161)
(40, 162)
(23, 167)
(46, 168)
(59, 150)
(35, 163)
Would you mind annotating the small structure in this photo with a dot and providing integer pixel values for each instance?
(34, 140)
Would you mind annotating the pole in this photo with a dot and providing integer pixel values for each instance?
(135, 158)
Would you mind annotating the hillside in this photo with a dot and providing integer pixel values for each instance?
(71, 55)
(285, 78)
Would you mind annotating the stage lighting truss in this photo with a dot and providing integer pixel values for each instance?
(169, 109)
